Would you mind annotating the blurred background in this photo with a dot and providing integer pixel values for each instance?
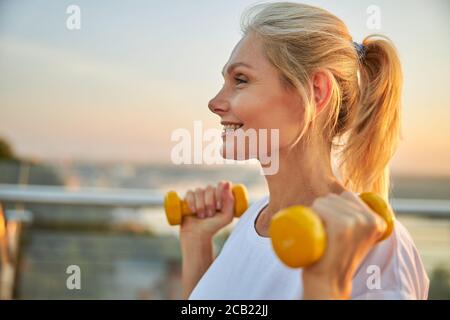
(86, 117)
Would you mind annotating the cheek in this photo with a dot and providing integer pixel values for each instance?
(246, 108)
(270, 113)
(288, 126)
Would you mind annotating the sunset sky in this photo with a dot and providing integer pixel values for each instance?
(117, 88)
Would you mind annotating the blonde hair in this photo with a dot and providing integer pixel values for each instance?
(364, 108)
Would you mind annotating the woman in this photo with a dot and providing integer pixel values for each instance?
(297, 69)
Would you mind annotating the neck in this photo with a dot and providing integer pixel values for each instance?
(303, 176)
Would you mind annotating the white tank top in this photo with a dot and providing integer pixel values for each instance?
(247, 268)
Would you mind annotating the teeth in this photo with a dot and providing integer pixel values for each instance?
(228, 127)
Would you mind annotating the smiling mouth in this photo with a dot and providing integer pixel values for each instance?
(229, 128)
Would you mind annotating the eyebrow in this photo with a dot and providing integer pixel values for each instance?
(234, 66)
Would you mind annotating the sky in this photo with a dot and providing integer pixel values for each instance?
(135, 71)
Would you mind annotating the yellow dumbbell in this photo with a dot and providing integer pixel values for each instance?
(176, 208)
(299, 237)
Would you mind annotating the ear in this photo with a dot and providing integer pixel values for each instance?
(321, 83)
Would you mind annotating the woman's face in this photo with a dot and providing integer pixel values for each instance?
(254, 97)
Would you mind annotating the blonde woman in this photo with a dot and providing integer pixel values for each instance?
(298, 70)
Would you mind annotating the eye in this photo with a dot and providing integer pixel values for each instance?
(240, 79)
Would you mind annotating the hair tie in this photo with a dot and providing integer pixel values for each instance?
(360, 49)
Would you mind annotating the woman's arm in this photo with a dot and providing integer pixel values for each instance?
(197, 255)
(214, 208)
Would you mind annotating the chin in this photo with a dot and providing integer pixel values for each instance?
(226, 153)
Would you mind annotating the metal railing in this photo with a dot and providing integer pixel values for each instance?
(86, 196)
(152, 198)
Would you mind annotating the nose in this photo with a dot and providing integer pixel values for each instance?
(218, 105)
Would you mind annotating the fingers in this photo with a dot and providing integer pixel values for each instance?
(206, 202)
(210, 201)
(347, 216)
(350, 196)
(219, 191)
(371, 217)
(324, 208)
(227, 199)
(344, 205)
(190, 199)
(199, 202)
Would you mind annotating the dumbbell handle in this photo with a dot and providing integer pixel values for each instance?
(176, 208)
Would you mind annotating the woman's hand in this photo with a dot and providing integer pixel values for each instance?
(352, 230)
(214, 209)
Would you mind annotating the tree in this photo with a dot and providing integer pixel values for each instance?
(6, 151)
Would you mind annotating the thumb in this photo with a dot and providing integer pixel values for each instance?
(227, 200)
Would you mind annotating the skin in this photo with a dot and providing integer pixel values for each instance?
(256, 97)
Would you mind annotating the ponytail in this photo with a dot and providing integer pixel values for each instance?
(376, 129)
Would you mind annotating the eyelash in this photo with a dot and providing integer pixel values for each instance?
(240, 80)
